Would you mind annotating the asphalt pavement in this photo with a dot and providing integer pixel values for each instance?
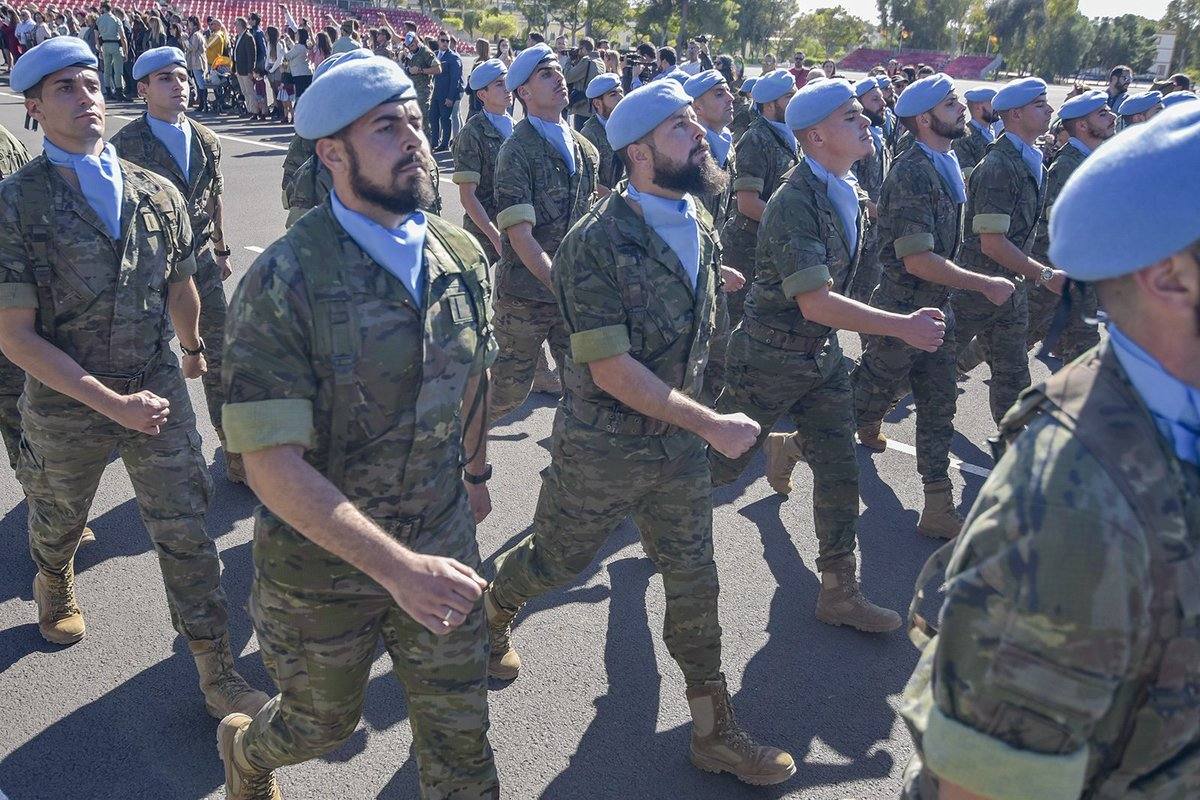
(599, 710)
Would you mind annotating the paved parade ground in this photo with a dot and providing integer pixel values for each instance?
(599, 710)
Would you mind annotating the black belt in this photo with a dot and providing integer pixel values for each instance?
(613, 421)
(126, 384)
(782, 339)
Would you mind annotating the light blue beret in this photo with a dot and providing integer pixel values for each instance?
(346, 91)
(675, 74)
(338, 58)
(49, 57)
(1137, 103)
(864, 86)
(602, 84)
(701, 82)
(157, 58)
(524, 64)
(773, 85)
(748, 86)
(923, 95)
(486, 73)
(980, 94)
(641, 111)
(815, 101)
(884, 82)
(1017, 93)
(1175, 98)
(1082, 104)
(1156, 213)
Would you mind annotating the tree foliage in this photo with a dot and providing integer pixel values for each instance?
(1183, 17)
(1127, 39)
(825, 33)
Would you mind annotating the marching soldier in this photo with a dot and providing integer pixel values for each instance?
(168, 143)
(13, 156)
(1065, 665)
(1138, 108)
(784, 357)
(98, 259)
(744, 109)
(870, 173)
(604, 92)
(545, 179)
(630, 436)
(422, 65)
(355, 378)
(476, 150)
(970, 147)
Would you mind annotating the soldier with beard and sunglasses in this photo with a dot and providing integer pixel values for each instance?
(355, 376)
(920, 210)
(635, 279)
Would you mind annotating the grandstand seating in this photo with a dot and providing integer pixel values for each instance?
(865, 58)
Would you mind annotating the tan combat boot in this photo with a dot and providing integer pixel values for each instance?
(88, 536)
(841, 601)
(872, 438)
(225, 691)
(940, 519)
(60, 619)
(782, 452)
(503, 661)
(720, 745)
(242, 780)
(235, 470)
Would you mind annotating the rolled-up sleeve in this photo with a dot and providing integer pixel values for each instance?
(590, 296)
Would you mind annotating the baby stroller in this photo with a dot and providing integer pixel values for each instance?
(227, 95)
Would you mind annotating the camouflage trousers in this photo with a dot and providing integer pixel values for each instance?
(212, 331)
(12, 383)
(866, 277)
(714, 371)
(63, 456)
(739, 246)
(889, 368)
(595, 480)
(1002, 332)
(521, 326)
(765, 383)
(1078, 335)
(319, 647)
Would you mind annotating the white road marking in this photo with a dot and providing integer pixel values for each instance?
(959, 465)
(254, 249)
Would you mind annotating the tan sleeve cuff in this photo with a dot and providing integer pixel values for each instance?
(184, 269)
(514, 215)
(991, 223)
(593, 345)
(914, 243)
(268, 423)
(466, 177)
(748, 183)
(806, 280)
(18, 295)
(981, 764)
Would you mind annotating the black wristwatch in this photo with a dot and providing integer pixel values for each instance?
(225, 252)
(198, 351)
(477, 479)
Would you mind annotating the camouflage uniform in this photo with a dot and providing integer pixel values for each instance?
(533, 185)
(110, 316)
(870, 172)
(201, 190)
(761, 158)
(13, 156)
(312, 183)
(476, 149)
(719, 206)
(1078, 336)
(743, 115)
(422, 58)
(299, 150)
(780, 363)
(385, 426)
(612, 169)
(1067, 661)
(916, 214)
(970, 149)
(622, 290)
(904, 140)
(1002, 197)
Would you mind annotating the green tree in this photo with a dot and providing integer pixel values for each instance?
(1183, 17)
(826, 33)
(758, 21)
(930, 23)
(1060, 44)
(1127, 39)
(498, 26)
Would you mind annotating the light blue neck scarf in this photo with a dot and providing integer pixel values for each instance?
(100, 181)
(984, 130)
(1174, 405)
(720, 143)
(842, 191)
(502, 122)
(947, 166)
(177, 139)
(786, 133)
(1080, 146)
(675, 221)
(1030, 155)
(398, 250)
(603, 121)
(559, 137)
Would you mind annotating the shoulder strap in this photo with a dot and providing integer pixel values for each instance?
(37, 235)
(632, 276)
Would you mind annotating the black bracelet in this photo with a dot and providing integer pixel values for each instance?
(198, 351)
(484, 477)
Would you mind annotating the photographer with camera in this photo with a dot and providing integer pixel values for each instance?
(583, 68)
(638, 66)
